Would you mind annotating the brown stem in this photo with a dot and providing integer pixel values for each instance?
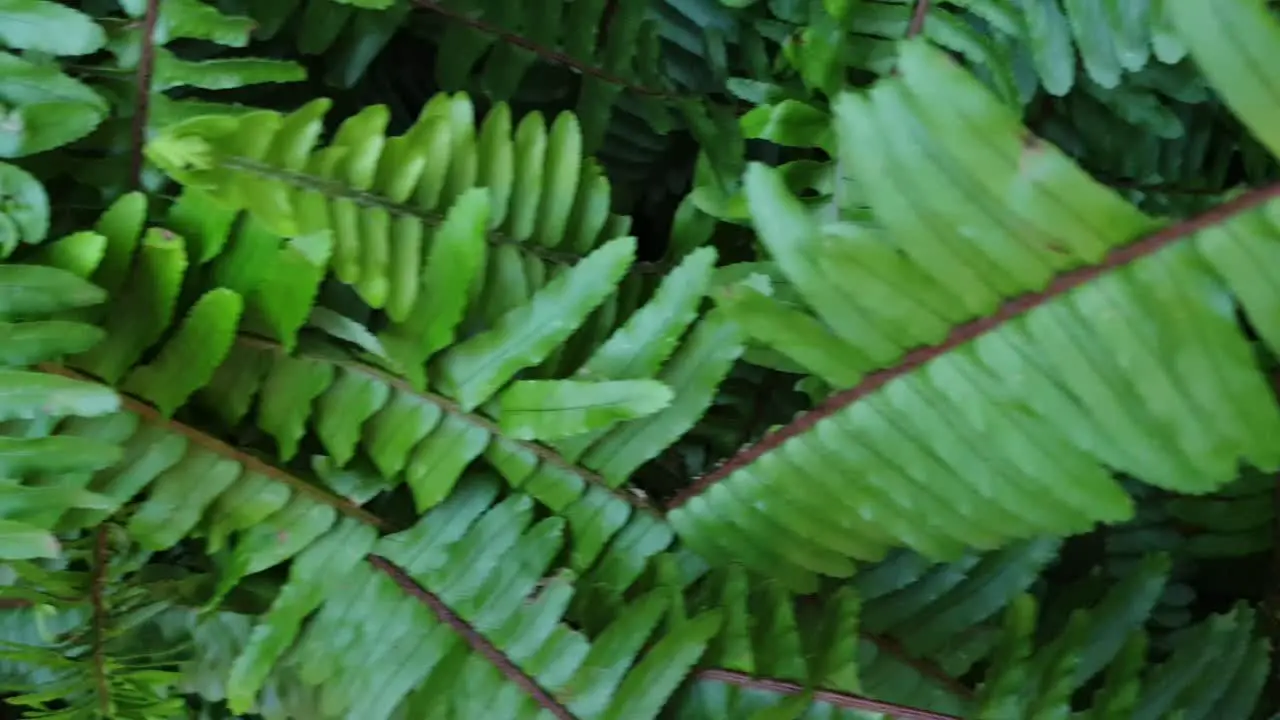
(474, 639)
(889, 646)
(978, 327)
(142, 109)
(917, 18)
(97, 587)
(831, 697)
(606, 23)
(547, 54)
(250, 463)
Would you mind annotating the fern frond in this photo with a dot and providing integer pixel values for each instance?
(1007, 194)
(402, 433)
(44, 108)
(901, 643)
(612, 45)
(471, 564)
(545, 199)
(1103, 39)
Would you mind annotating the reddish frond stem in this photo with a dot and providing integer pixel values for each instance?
(142, 109)
(250, 463)
(830, 697)
(473, 638)
(543, 452)
(889, 646)
(97, 588)
(917, 19)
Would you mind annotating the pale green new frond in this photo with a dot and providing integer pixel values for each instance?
(515, 332)
(377, 194)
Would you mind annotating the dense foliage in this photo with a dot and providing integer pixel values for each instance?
(630, 359)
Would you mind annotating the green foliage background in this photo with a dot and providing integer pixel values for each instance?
(630, 359)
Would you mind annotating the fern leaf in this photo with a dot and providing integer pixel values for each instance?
(26, 215)
(48, 27)
(473, 370)
(48, 108)
(1016, 248)
(20, 541)
(550, 409)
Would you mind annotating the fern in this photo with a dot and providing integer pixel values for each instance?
(873, 338)
(919, 415)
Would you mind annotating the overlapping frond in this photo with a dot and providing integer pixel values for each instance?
(1178, 160)
(1018, 46)
(1207, 536)
(1035, 411)
(613, 45)
(1072, 42)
